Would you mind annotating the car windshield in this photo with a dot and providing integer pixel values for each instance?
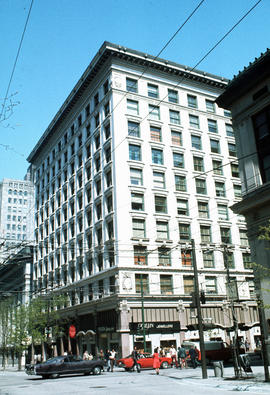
(53, 360)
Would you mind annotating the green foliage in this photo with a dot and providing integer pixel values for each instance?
(265, 233)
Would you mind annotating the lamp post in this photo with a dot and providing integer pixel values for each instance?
(143, 327)
(236, 364)
(199, 312)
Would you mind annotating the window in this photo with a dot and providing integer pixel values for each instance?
(196, 142)
(166, 284)
(230, 261)
(134, 152)
(140, 255)
(132, 107)
(220, 189)
(138, 227)
(217, 167)
(205, 234)
(158, 179)
(210, 285)
(174, 117)
(164, 257)
(232, 149)
(172, 96)
(96, 100)
(160, 204)
(186, 257)
(188, 285)
(251, 287)
(234, 170)
(180, 183)
(227, 113)
(198, 163)
(212, 126)
(137, 202)
(194, 121)
(106, 109)
(203, 210)
(225, 234)
(178, 160)
(208, 259)
(237, 190)
(106, 87)
(192, 101)
(142, 283)
(97, 120)
(247, 261)
(162, 230)
(229, 130)
(133, 129)
(157, 156)
(182, 207)
(155, 133)
(154, 112)
(136, 176)
(131, 85)
(215, 148)
(176, 138)
(210, 105)
(152, 90)
(243, 238)
(261, 124)
(222, 212)
(201, 186)
(184, 232)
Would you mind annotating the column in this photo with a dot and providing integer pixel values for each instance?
(123, 327)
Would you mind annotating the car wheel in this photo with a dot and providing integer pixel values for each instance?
(97, 370)
(165, 365)
(44, 376)
(127, 369)
(54, 376)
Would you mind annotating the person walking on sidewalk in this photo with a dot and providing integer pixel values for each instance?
(156, 361)
(192, 354)
(173, 355)
(135, 357)
(107, 358)
(182, 356)
(112, 359)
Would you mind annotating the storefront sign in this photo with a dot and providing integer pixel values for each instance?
(106, 329)
(155, 327)
(72, 331)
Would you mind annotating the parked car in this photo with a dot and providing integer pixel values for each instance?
(69, 364)
(214, 350)
(144, 361)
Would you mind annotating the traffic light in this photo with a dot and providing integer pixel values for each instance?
(202, 297)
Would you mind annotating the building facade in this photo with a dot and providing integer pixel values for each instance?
(16, 215)
(135, 164)
(249, 100)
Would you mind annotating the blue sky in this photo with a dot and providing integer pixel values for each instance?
(62, 37)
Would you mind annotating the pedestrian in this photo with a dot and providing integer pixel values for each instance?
(182, 356)
(112, 359)
(135, 357)
(247, 345)
(173, 356)
(101, 354)
(107, 358)
(156, 361)
(162, 352)
(85, 356)
(192, 354)
(198, 354)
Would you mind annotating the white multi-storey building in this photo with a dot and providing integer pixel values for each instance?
(138, 161)
(16, 215)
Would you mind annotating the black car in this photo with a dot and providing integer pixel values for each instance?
(69, 364)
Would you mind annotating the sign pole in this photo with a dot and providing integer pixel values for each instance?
(143, 327)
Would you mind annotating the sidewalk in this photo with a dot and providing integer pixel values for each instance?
(251, 383)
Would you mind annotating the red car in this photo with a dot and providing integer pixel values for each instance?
(144, 360)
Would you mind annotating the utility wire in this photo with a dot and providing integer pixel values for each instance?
(16, 59)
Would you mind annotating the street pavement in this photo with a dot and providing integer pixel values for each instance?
(186, 381)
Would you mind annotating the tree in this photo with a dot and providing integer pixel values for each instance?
(5, 328)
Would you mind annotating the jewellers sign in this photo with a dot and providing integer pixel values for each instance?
(155, 327)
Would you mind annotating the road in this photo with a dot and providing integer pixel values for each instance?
(175, 381)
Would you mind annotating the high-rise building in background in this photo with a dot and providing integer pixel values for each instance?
(16, 215)
(138, 161)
